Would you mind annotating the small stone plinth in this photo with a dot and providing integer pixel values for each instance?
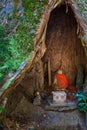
(59, 97)
(68, 105)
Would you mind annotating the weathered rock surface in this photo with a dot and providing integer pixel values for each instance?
(64, 120)
(27, 111)
(80, 77)
(85, 86)
(13, 99)
(47, 120)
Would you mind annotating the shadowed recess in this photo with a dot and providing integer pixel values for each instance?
(64, 48)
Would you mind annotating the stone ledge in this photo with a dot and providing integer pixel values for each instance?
(61, 106)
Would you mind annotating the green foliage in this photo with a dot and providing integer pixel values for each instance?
(27, 29)
(11, 54)
(3, 44)
(2, 109)
(83, 7)
(82, 102)
(15, 48)
(3, 72)
(15, 58)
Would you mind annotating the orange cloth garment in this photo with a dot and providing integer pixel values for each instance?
(62, 81)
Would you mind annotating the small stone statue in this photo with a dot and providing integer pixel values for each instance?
(60, 81)
(37, 99)
(60, 84)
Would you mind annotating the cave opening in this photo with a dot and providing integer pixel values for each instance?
(64, 47)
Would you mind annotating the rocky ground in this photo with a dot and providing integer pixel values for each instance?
(28, 116)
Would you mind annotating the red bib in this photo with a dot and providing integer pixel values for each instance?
(63, 82)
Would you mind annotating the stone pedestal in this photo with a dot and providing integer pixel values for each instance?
(59, 97)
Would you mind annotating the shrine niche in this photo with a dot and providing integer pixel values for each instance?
(60, 47)
(64, 47)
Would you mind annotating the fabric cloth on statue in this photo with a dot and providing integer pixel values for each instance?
(61, 81)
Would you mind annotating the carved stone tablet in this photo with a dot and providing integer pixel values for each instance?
(59, 96)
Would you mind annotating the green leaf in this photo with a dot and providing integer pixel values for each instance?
(3, 67)
(81, 104)
(2, 109)
(1, 75)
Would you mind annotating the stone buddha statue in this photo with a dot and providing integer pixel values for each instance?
(60, 84)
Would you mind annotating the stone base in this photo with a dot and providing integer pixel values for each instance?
(61, 107)
(64, 104)
(70, 120)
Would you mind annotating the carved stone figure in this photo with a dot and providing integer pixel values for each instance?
(60, 81)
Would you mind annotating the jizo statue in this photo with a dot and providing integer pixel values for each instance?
(61, 82)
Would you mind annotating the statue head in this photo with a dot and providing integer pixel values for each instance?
(60, 71)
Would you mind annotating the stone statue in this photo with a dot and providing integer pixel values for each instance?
(61, 82)
(37, 99)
